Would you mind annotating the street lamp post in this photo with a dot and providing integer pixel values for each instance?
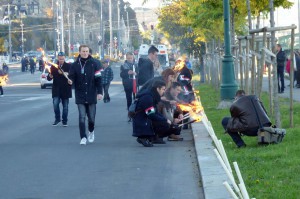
(22, 38)
(110, 31)
(9, 33)
(128, 27)
(119, 39)
(228, 85)
(101, 30)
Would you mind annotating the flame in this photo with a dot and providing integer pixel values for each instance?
(194, 108)
(196, 117)
(3, 80)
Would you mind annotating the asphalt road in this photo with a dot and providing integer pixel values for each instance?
(42, 161)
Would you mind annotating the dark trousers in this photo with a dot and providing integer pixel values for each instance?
(65, 109)
(106, 97)
(88, 110)
(32, 69)
(236, 137)
(280, 75)
(129, 96)
(1, 90)
(163, 129)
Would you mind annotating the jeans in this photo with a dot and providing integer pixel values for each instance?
(106, 95)
(65, 104)
(280, 74)
(88, 110)
(236, 137)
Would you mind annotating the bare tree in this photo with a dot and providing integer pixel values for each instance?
(274, 69)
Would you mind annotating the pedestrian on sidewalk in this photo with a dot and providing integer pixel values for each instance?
(107, 76)
(280, 58)
(86, 76)
(146, 66)
(297, 76)
(32, 65)
(126, 73)
(61, 89)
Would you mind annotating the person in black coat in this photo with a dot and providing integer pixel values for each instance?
(148, 123)
(85, 74)
(184, 78)
(280, 58)
(61, 89)
(32, 65)
(126, 73)
(145, 66)
(247, 116)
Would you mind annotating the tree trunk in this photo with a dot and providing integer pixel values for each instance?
(274, 69)
(249, 14)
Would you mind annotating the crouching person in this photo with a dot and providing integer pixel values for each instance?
(147, 122)
(170, 111)
(247, 116)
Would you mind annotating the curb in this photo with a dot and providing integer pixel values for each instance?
(211, 171)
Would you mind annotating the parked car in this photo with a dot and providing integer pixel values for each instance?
(43, 78)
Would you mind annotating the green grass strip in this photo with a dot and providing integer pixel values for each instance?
(271, 171)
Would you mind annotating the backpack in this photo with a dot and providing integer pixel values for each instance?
(132, 109)
(268, 135)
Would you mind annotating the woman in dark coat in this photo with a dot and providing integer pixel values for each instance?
(147, 121)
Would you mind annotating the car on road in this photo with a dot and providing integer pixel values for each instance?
(43, 78)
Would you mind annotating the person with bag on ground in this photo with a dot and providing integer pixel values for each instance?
(248, 115)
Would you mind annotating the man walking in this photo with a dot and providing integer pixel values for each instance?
(61, 89)
(126, 73)
(145, 66)
(85, 74)
(107, 76)
(280, 57)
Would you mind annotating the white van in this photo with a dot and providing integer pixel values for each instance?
(143, 51)
(163, 56)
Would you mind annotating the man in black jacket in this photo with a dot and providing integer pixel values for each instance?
(145, 66)
(85, 74)
(280, 57)
(61, 89)
(247, 116)
(126, 73)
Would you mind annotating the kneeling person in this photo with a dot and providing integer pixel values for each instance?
(247, 116)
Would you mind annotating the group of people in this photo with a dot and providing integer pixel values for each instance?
(284, 64)
(89, 78)
(31, 62)
(156, 114)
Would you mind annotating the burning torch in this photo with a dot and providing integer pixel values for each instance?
(134, 89)
(60, 69)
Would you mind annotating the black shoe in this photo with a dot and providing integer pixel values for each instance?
(145, 142)
(158, 141)
(242, 146)
(56, 122)
(65, 124)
